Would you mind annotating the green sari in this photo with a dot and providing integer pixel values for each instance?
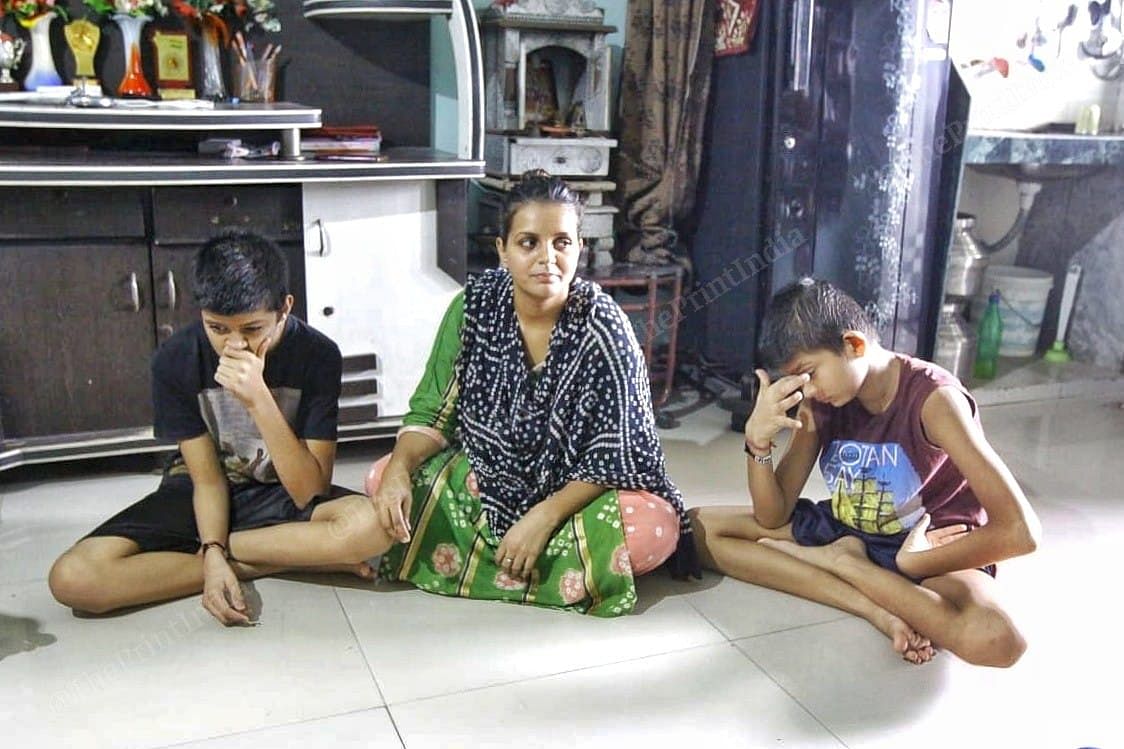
(584, 567)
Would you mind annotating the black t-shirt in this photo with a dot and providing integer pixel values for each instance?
(302, 372)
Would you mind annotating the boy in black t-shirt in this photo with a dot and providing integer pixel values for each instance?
(251, 395)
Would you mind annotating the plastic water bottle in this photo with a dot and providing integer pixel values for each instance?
(987, 343)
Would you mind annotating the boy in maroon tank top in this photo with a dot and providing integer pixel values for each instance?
(921, 506)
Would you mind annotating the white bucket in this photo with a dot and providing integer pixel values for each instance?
(1022, 304)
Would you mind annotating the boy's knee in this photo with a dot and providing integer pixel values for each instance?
(73, 582)
(998, 644)
(358, 533)
(1007, 649)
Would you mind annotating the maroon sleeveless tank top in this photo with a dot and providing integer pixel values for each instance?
(881, 469)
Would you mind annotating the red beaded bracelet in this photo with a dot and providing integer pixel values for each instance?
(217, 544)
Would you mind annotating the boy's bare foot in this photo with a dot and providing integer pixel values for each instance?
(912, 646)
(824, 557)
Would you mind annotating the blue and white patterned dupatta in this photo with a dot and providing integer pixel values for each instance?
(585, 415)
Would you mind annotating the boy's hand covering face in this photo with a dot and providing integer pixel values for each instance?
(241, 371)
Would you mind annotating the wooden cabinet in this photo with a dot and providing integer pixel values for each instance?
(194, 213)
(76, 336)
(75, 311)
(183, 218)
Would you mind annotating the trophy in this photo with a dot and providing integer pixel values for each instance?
(82, 37)
(11, 52)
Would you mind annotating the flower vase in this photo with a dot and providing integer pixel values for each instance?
(212, 33)
(134, 83)
(42, 72)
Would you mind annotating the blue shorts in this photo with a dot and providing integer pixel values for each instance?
(813, 524)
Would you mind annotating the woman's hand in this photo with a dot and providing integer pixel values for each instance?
(393, 502)
(222, 593)
(525, 541)
(769, 416)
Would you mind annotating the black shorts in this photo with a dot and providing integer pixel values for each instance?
(165, 519)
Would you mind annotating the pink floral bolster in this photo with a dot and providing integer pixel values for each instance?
(651, 529)
(430, 432)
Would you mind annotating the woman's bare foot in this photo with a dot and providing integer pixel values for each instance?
(362, 570)
(912, 646)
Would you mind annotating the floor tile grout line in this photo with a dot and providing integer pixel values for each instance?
(791, 696)
(370, 667)
(843, 615)
(251, 731)
(708, 620)
(558, 673)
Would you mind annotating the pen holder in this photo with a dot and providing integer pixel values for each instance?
(255, 79)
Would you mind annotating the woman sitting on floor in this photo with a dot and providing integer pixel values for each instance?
(529, 468)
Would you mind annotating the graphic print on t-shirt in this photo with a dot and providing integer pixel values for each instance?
(874, 486)
(242, 450)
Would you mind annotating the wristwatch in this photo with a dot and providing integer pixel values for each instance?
(766, 459)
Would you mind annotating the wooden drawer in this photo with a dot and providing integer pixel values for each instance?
(195, 214)
(72, 213)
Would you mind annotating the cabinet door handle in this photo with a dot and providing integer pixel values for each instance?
(131, 302)
(170, 288)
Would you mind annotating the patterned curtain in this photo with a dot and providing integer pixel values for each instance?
(665, 84)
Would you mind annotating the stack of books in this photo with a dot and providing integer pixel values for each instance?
(354, 143)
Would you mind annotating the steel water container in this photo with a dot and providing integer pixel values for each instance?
(955, 349)
(966, 259)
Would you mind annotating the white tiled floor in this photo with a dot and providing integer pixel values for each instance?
(716, 663)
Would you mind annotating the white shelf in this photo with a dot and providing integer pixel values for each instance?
(383, 10)
(87, 169)
(279, 116)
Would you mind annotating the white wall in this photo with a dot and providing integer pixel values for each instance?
(983, 29)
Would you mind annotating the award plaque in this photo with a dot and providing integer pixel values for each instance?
(173, 65)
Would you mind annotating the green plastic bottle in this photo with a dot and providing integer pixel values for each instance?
(990, 335)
